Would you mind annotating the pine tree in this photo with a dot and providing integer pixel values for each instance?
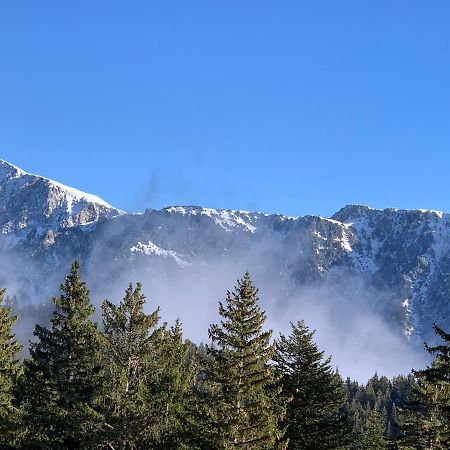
(373, 433)
(200, 420)
(317, 393)
(245, 410)
(63, 375)
(149, 374)
(388, 397)
(9, 371)
(131, 339)
(177, 375)
(427, 418)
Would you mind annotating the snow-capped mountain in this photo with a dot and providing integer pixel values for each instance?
(35, 207)
(402, 257)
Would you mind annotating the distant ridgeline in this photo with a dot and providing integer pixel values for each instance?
(402, 257)
(135, 383)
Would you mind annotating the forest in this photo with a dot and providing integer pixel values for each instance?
(134, 382)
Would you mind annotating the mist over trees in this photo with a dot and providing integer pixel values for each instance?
(133, 382)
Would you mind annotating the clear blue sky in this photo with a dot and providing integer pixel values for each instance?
(280, 106)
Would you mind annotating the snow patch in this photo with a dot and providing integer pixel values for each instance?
(153, 249)
(225, 218)
(77, 195)
(408, 330)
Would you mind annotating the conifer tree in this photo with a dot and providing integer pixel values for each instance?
(427, 422)
(200, 420)
(63, 376)
(245, 410)
(149, 374)
(317, 393)
(373, 433)
(178, 365)
(131, 339)
(9, 371)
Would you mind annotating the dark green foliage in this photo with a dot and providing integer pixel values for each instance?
(63, 375)
(9, 372)
(173, 388)
(386, 397)
(427, 418)
(129, 357)
(372, 436)
(149, 376)
(244, 406)
(138, 385)
(200, 417)
(315, 393)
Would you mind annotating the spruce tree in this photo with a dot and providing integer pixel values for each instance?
(316, 392)
(200, 420)
(427, 418)
(388, 397)
(149, 375)
(131, 339)
(63, 375)
(178, 365)
(373, 433)
(9, 371)
(245, 409)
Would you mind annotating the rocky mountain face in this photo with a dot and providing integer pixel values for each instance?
(34, 209)
(401, 257)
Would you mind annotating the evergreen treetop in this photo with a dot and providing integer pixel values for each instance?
(63, 376)
(244, 402)
(372, 436)
(131, 340)
(315, 393)
(427, 419)
(10, 369)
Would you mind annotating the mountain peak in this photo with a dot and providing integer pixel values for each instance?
(8, 170)
(32, 203)
(401, 256)
(351, 211)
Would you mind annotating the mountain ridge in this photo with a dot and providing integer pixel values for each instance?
(7, 167)
(402, 255)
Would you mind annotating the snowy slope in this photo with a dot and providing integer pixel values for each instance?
(32, 205)
(402, 256)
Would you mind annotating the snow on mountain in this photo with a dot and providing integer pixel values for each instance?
(403, 256)
(407, 251)
(225, 218)
(151, 249)
(37, 206)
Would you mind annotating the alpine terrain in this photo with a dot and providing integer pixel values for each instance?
(402, 257)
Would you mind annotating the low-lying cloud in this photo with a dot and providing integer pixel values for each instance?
(341, 309)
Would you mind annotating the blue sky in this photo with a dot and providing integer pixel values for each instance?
(294, 107)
